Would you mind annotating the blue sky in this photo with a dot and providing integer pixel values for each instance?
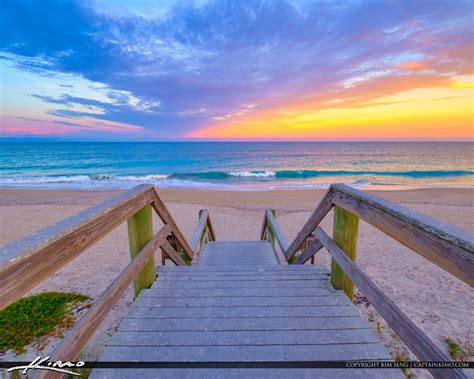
(140, 70)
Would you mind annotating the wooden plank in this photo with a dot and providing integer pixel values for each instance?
(272, 223)
(322, 210)
(235, 292)
(190, 302)
(449, 247)
(345, 232)
(242, 284)
(76, 339)
(248, 278)
(411, 335)
(212, 233)
(26, 262)
(199, 230)
(166, 217)
(249, 354)
(239, 373)
(244, 269)
(243, 338)
(249, 324)
(309, 252)
(244, 312)
(140, 231)
(172, 254)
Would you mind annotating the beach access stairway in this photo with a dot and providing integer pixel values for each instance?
(239, 308)
(238, 305)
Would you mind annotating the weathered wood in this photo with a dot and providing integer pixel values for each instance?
(248, 278)
(244, 338)
(236, 292)
(237, 323)
(322, 210)
(279, 353)
(210, 228)
(276, 234)
(244, 269)
(166, 217)
(172, 254)
(236, 254)
(345, 232)
(239, 373)
(76, 339)
(309, 252)
(199, 230)
(190, 302)
(140, 231)
(411, 335)
(243, 312)
(227, 284)
(26, 262)
(449, 247)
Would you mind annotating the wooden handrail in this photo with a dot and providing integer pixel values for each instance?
(449, 247)
(166, 217)
(30, 260)
(271, 231)
(320, 212)
(411, 335)
(307, 253)
(27, 262)
(204, 230)
(73, 343)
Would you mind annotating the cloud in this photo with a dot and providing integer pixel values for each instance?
(182, 67)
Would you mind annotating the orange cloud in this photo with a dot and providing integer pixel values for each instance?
(440, 112)
(415, 66)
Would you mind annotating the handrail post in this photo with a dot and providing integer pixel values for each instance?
(345, 230)
(271, 232)
(140, 231)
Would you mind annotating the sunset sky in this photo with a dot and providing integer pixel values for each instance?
(244, 70)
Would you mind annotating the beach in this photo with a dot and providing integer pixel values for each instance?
(440, 304)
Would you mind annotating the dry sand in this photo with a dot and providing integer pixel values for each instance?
(439, 303)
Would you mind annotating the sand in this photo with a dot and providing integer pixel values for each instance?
(439, 303)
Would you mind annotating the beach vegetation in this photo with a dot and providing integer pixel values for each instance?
(33, 317)
(185, 258)
(457, 351)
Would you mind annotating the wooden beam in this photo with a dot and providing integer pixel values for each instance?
(172, 254)
(275, 228)
(71, 346)
(449, 247)
(212, 233)
(309, 252)
(411, 335)
(166, 217)
(322, 210)
(345, 232)
(26, 262)
(199, 230)
(140, 231)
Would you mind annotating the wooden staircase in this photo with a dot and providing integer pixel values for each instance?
(238, 306)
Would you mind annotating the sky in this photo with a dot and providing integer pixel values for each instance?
(123, 70)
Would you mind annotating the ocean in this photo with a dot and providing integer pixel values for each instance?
(235, 165)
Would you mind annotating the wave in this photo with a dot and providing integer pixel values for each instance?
(231, 177)
(307, 174)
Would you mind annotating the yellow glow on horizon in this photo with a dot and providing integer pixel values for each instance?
(423, 113)
(463, 84)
